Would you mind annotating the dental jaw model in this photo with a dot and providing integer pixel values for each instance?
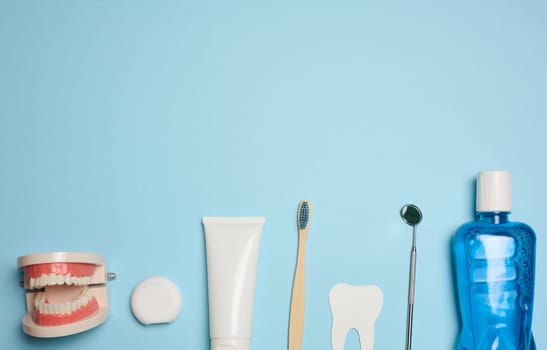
(65, 293)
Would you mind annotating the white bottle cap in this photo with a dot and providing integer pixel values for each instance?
(230, 344)
(494, 191)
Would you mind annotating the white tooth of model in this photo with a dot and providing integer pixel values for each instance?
(43, 280)
(354, 308)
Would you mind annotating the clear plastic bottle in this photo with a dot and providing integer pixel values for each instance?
(495, 266)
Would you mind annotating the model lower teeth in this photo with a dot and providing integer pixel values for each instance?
(43, 306)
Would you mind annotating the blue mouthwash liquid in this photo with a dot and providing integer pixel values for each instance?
(495, 262)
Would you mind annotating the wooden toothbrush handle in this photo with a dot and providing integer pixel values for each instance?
(298, 300)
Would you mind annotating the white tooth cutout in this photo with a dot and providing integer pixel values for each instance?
(354, 307)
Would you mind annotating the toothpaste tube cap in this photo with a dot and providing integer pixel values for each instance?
(230, 344)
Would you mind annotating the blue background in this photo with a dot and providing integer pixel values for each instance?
(122, 123)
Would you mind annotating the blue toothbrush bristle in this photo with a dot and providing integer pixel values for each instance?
(304, 215)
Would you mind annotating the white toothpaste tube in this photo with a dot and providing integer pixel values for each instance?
(233, 245)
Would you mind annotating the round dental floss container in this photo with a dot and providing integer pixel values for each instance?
(156, 300)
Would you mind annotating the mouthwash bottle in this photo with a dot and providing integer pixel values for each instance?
(495, 264)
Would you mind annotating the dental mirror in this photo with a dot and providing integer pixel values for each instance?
(411, 215)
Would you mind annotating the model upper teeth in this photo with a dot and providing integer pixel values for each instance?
(41, 304)
(54, 279)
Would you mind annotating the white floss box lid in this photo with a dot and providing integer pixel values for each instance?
(156, 300)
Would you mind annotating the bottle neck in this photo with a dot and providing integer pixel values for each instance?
(494, 217)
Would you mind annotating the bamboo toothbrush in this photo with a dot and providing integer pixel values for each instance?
(298, 300)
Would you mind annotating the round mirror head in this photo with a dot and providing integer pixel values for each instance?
(411, 214)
